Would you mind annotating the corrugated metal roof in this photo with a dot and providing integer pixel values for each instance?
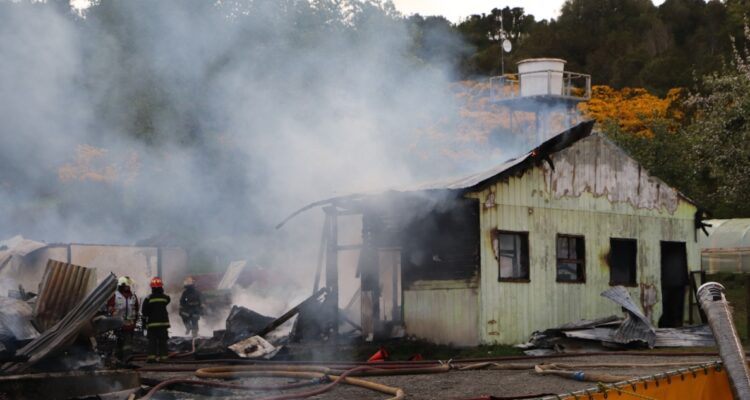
(511, 167)
(636, 326)
(62, 333)
(558, 142)
(62, 287)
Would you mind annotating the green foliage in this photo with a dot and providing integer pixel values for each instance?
(720, 138)
(621, 43)
(708, 158)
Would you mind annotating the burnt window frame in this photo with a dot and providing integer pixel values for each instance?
(635, 262)
(581, 261)
(524, 260)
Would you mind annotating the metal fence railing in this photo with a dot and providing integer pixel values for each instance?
(565, 84)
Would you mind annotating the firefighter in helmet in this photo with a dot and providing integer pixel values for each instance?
(124, 304)
(190, 307)
(156, 321)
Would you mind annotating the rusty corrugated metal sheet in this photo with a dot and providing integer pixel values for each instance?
(593, 191)
(60, 335)
(62, 287)
(636, 326)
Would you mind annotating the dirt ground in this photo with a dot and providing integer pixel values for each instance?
(470, 384)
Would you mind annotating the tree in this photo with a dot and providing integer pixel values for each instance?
(647, 127)
(720, 133)
(635, 111)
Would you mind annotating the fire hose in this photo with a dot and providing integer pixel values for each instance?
(239, 371)
(231, 372)
(223, 385)
(563, 366)
(299, 372)
(408, 364)
(580, 375)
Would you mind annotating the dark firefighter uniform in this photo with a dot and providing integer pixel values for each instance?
(156, 321)
(190, 307)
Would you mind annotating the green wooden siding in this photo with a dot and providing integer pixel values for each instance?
(595, 191)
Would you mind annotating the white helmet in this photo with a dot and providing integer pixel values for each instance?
(123, 281)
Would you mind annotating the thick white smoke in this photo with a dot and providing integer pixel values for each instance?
(206, 123)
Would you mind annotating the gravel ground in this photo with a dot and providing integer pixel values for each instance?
(468, 384)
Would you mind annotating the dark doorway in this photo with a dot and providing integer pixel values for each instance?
(674, 281)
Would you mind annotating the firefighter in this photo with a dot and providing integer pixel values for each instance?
(190, 307)
(156, 321)
(124, 305)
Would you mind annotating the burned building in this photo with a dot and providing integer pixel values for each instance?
(529, 244)
(23, 262)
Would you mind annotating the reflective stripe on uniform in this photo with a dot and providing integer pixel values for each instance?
(157, 324)
(125, 307)
(157, 300)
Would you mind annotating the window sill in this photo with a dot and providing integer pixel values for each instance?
(570, 282)
(514, 280)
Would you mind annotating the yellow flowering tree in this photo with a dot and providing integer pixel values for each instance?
(634, 110)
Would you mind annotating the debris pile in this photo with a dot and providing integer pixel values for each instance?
(613, 332)
(64, 331)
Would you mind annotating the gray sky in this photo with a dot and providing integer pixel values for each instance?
(456, 10)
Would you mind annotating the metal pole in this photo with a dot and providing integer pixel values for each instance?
(714, 303)
(502, 60)
(502, 38)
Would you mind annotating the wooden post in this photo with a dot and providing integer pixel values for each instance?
(332, 271)
(158, 263)
(321, 253)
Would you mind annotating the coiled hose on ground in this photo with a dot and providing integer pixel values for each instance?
(314, 373)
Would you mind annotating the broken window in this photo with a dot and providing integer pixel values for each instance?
(622, 261)
(512, 251)
(571, 259)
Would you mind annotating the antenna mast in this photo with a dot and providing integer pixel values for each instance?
(501, 37)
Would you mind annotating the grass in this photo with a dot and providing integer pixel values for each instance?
(737, 296)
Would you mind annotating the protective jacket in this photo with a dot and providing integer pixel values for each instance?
(154, 310)
(124, 305)
(190, 302)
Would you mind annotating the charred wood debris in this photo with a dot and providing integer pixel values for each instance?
(56, 341)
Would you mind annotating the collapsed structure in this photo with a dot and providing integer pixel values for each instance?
(491, 257)
(23, 262)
